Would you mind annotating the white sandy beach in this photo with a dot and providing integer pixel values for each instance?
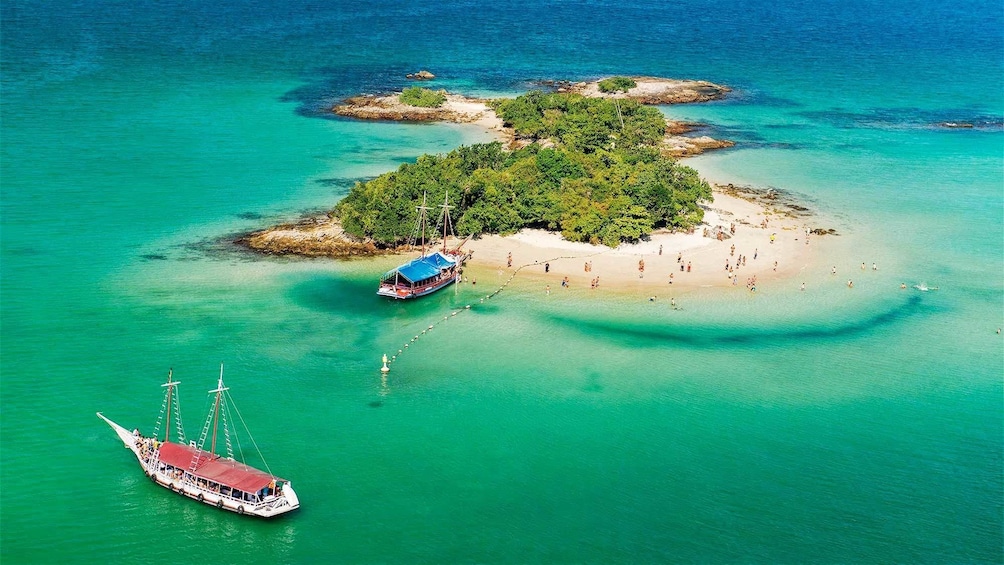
(618, 269)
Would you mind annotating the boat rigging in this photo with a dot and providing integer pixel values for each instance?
(191, 470)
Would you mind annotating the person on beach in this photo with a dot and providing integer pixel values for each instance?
(509, 260)
(874, 267)
(833, 271)
(679, 257)
(732, 251)
(803, 287)
(850, 283)
(862, 266)
(775, 266)
(660, 249)
(547, 267)
(772, 238)
(641, 268)
(688, 266)
(672, 302)
(755, 251)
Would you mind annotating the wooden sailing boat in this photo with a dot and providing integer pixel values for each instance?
(432, 270)
(191, 470)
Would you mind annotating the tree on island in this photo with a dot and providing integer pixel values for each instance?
(616, 84)
(603, 181)
(422, 97)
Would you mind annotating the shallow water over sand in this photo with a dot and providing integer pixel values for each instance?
(786, 426)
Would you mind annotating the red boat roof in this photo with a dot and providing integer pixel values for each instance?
(215, 468)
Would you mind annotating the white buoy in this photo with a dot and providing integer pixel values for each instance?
(385, 368)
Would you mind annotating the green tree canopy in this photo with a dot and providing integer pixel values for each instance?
(615, 84)
(422, 97)
(603, 181)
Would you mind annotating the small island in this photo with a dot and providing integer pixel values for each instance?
(586, 166)
(464, 110)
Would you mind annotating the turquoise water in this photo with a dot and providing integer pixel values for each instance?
(782, 427)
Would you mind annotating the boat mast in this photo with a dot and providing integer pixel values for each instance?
(220, 389)
(422, 220)
(167, 400)
(446, 218)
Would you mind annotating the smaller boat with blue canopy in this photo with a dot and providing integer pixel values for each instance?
(431, 271)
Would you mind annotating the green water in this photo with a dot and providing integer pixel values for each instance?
(781, 427)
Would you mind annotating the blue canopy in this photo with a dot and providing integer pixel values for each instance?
(423, 267)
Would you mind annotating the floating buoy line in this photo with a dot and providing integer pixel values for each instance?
(387, 361)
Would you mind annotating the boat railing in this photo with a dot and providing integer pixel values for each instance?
(435, 281)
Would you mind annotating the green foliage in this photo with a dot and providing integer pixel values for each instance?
(614, 84)
(583, 124)
(602, 182)
(422, 97)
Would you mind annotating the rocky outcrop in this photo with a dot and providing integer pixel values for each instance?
(676, 144)
(310, 237)
(682, 146)
(778, 202)
(654, 90)
(421, 75)
(456, 109)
